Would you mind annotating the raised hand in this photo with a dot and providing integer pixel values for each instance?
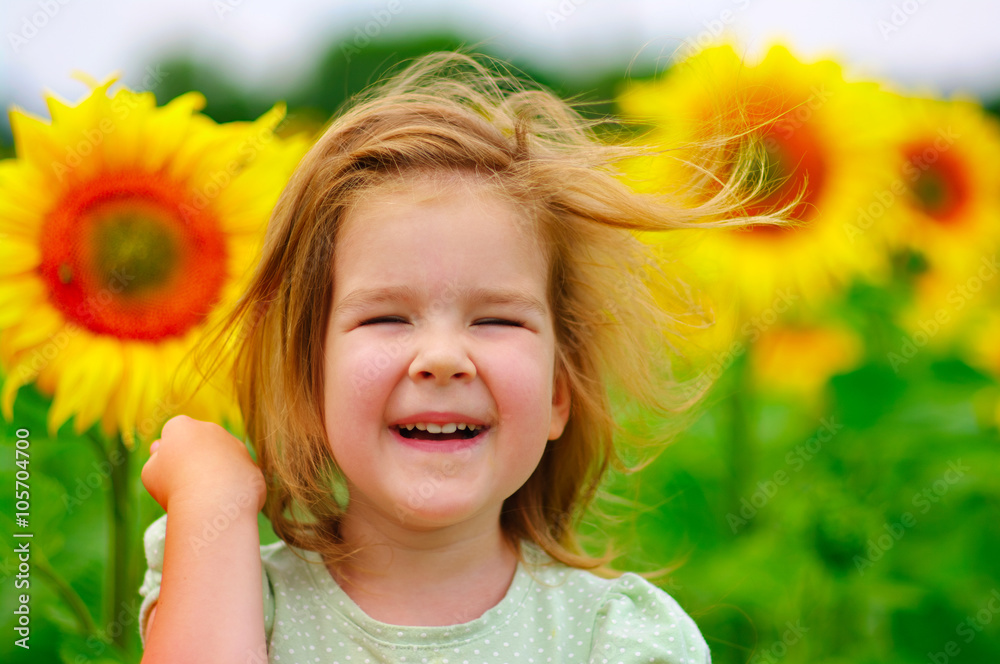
(202, 462)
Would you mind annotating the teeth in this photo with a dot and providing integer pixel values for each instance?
(450, 427)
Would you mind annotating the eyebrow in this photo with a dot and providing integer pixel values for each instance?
(361, 297)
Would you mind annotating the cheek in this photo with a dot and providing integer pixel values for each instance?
(361, 371)
(358, 382)
(522, 386)
(524, 398)
(352, 398)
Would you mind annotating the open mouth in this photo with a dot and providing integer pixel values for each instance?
(422, 434)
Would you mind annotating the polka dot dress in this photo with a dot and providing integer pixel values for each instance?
(551, 613)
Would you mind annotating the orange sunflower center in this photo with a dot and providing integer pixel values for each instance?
(939, 182)
(129, 256)
(790, 158)
(792, 168)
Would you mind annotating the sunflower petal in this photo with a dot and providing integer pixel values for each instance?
(107, 354)
(74, 384)
(34, 140)
(43, 325)
(20, 374)
(17, 256)
(19, 295)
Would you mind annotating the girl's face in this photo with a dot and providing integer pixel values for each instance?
(439, 318)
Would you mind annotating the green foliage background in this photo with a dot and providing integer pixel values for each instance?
(783, 583)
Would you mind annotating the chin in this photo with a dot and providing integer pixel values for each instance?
(432, 514)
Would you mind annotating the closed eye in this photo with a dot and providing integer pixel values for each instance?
(499, 321)
(383, 319)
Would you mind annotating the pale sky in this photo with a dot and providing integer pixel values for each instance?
(927, 45)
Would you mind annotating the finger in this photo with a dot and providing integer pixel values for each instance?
(156, 444)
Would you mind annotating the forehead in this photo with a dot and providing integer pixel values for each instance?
(438, 235)
(424, 189)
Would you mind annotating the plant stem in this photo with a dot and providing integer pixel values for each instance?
(122, 536)
(740, 439)
(119, 584)
(70, 596)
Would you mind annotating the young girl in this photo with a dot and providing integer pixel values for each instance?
(449, 295)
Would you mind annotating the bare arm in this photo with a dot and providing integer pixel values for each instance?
(211, 606)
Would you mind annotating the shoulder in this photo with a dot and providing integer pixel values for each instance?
(153, 541)
(635, 613)
(629, 618)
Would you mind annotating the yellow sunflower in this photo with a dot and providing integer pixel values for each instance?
(947, 183)
(947, 306)
(944, 204)
(978, 343)
(127, 228)
(805, 128)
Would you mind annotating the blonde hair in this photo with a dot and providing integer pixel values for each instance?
(450, 113)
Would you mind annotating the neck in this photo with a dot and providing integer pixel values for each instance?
(424, 576)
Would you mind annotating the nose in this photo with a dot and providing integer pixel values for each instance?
(441, 358)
